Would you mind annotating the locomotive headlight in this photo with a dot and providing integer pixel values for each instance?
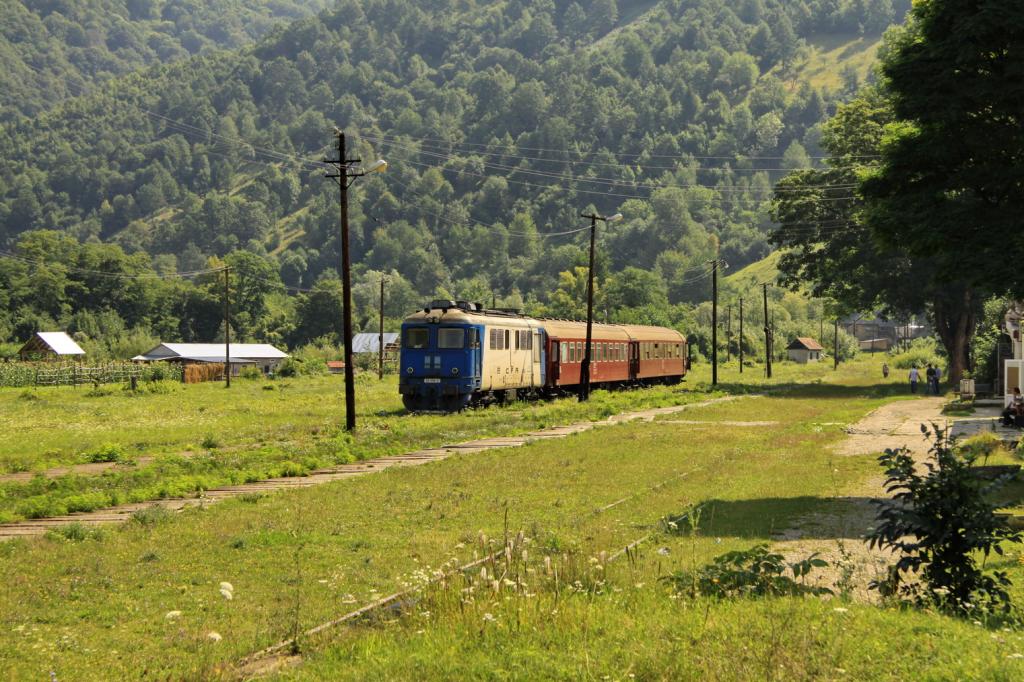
(455, 370)
(408, 370)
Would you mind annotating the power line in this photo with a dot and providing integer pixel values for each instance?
(616, 182)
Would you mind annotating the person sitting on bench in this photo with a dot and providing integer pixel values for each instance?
(1015, 409)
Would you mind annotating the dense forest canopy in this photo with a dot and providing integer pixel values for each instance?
(52, 49)
(502, 121)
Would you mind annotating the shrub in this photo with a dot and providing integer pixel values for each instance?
(938, 523)
(151, 516)
(755, 572)
(921, 353)
(250, 372)
(209, 442)
(980, 446)
(108, 452)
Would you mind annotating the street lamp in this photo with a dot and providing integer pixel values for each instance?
(585, 367)
(345, 172)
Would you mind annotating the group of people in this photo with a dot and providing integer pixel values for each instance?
(933, 374)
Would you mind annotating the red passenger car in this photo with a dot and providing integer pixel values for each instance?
(620, 354)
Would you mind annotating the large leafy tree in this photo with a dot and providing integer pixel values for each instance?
(950, 185)
(830, 246)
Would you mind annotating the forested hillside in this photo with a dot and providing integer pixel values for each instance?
(52, 49)
(501, 122)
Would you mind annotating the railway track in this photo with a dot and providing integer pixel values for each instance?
(123, 513)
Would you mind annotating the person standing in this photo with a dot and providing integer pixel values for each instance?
(914, 376)
(885, 370)
(930, 376)
(938, 378)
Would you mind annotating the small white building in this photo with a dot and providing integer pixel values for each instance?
(804, 349)
(261, 355)
(50, 346)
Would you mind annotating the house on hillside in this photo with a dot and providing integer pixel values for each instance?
(804, 349)
(262, 355)
(50, 346)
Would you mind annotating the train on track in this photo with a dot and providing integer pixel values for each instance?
(456, 354)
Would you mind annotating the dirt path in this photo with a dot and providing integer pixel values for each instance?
(837, 534)
(124, 512)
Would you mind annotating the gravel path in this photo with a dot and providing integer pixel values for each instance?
(837, 535)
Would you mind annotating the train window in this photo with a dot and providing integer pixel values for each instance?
(579, 351)
(561, 355)
(451, 337)
(507, 344)
(416, 338)
(474, 341)
(519, 337)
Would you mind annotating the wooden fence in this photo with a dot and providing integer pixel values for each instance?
(17, 374)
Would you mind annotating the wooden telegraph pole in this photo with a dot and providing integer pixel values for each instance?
(835, 347)
(227, 329)
(585, 366)
(380, 339)
(714, 322)
(741, 336)
(767, 335)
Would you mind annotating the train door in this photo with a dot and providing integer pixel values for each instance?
(538, 357)
(556, 361)
(634, 359)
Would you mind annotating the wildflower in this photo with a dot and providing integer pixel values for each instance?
(483, 573)
(348, 599)
(227, 594)
(488, 618)
(460, 546)
(173, 615)
(227, 586)
(664, 551)
(213, 636)
(1015, 656)
(840, 609)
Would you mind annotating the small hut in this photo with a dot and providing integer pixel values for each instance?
(50, 346)
(804, 349)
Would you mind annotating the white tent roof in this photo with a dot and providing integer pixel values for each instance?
(369, 342)
(60, 343)
(213, 352)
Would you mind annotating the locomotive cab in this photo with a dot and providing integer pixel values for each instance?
(440, 357)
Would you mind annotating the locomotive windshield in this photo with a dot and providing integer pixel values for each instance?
(451, 337)
(416, 338)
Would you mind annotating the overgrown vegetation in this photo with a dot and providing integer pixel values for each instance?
(939, 522)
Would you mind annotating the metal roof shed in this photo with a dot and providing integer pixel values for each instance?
(50, 344)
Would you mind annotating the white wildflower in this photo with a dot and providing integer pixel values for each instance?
(227, 586)
(1015, 656)
(173, 615)
(213, 636)
(840, 609)
(227, 594)
(488, 618)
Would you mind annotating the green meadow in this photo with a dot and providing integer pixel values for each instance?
(145, 599)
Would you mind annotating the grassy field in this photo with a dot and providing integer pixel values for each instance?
(173, 440)
(146, 597)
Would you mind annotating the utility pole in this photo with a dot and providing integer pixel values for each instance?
(346, 173)
(741, 336)
(227, 330)
(380, 340)
(767, 335)
(584, 394)
(714, 322)
(835, 347)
